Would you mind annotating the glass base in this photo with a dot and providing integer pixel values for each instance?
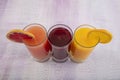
(42, 60)
(76, 60)
(60, 60)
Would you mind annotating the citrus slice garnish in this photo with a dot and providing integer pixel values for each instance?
(104, 35)
(90, 37)
(18, 35)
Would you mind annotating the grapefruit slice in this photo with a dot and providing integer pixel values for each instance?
(103, 35)
(18, 35)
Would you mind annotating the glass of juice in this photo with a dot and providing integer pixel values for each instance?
(60, 37)
(39, 47)
(80, 48)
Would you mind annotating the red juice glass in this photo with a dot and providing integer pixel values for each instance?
(60, 37)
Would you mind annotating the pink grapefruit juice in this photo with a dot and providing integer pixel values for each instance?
(39, 47)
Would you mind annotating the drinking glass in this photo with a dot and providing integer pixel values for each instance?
(78, 52)
(60, 37)
(41, 49)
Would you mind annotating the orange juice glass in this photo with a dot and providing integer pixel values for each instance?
(79, 53)
(39, 47)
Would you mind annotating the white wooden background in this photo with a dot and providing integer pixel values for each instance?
(15, 61)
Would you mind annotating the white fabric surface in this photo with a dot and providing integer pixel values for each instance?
(15, 61)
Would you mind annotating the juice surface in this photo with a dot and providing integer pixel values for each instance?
(81, 36)
(60, 37)
(39, 34)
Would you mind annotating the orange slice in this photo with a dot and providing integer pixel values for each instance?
(104, 35)
(90, 37)
(18, 35)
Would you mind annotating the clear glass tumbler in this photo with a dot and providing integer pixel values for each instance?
(39, 47)
(79, 47)
(60, 37)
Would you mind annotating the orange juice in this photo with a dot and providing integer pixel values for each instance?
(85, 38)
(39, 47)
(79, 52)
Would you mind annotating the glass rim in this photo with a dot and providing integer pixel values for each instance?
(41, 26)
(82, 26)
(63, 26)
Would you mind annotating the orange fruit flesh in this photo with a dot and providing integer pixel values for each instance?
(39, 35)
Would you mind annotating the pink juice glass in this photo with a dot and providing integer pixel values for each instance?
(41, 51)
